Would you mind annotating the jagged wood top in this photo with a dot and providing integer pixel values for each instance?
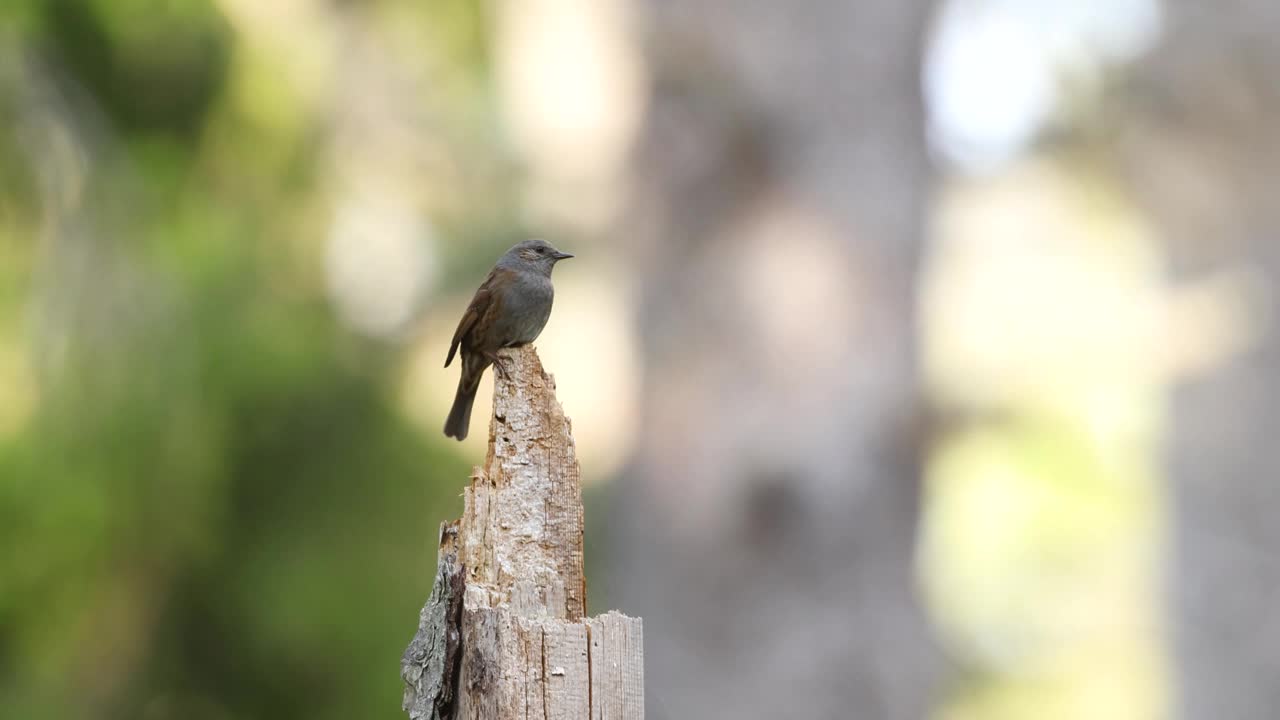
(515, 644)
(522, 526)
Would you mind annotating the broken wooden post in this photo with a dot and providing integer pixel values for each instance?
(503, 635)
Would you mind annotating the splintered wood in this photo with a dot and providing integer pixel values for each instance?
(522, 527)
(521, 647)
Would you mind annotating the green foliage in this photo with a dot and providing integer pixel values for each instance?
(176, 51)
(211, 502)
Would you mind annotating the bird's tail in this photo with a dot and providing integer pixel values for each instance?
(460, 415)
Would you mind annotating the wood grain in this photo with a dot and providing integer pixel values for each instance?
(525, 649)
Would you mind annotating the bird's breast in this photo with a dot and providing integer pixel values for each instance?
(526, 308)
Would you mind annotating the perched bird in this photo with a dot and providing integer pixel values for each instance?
(509, 310)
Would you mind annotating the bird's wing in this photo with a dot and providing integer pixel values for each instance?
(486, 302)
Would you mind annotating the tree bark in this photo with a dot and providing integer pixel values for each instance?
(515, 561)
(430, 663)
(777, 224)
(1202, 149)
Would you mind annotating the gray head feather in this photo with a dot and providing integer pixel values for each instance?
(532, 255)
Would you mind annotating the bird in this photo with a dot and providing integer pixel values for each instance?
(509, 310)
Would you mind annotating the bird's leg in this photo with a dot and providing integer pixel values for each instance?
(499, 364)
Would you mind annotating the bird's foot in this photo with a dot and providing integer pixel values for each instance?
(501, 366)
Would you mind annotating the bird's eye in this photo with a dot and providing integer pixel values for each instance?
(542, 251)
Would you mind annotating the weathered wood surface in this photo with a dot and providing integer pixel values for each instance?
(525, 648)
(522, 527)
(429, 665)
(617, 667)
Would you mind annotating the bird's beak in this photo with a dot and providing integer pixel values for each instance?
(562, 255)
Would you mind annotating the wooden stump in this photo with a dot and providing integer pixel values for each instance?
(503, 635)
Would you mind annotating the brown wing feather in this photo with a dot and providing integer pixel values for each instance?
(485, 303)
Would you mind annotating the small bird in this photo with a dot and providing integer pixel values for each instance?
(509, 310)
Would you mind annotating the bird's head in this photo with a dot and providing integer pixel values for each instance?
(537, 255)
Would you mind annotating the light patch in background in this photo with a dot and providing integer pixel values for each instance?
(17, 388)
(1036, 287)
(990, 89)
(298, 40)
(570, 78)
(800, 262)
(377, 262)
(589, 347)
(993, 72)
(1043, 319)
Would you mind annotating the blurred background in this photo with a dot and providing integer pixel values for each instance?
(922, 356)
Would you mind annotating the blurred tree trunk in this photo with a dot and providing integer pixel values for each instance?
(767, 525)
(1203, 146)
